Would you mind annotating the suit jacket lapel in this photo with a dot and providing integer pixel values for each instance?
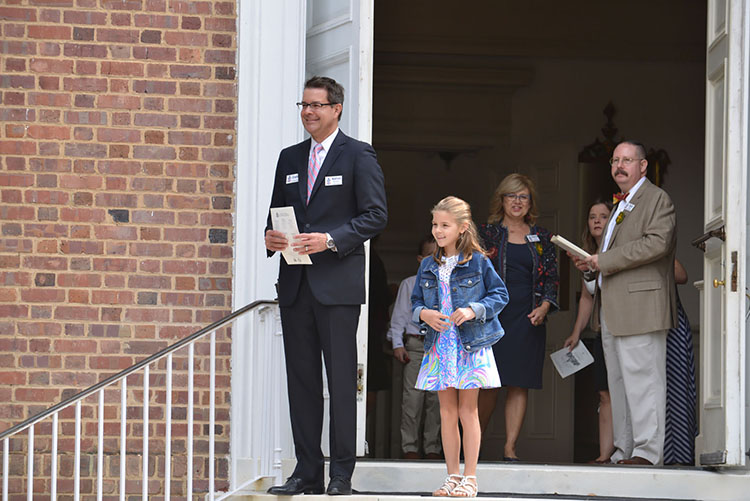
(331, 156)
(303, 159)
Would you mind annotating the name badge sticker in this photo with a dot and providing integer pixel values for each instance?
(292, 178)
(532, 238)
(629, 207)
(334, 180)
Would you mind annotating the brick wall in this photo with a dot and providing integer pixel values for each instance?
(117, 137)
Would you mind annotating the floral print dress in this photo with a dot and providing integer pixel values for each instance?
(447, 364)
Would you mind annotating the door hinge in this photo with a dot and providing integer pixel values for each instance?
(360, 382)
(734, 271)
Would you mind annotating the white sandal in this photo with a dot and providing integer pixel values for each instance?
(466, 489)
(451, 483)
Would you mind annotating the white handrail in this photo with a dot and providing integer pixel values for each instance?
(168, 438)
(123, 433)
(77, 461)
(191, 362)
(266, 461)
(30, 467)
(144, 472)
(53, 463)
(100, 448)
(6, 462)
(212, 417)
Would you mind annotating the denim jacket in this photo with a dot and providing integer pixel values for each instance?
(545, 278)
(475, 284)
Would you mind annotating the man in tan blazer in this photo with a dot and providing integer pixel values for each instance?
(635, 306)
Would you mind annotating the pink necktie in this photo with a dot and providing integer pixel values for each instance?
(313, 167)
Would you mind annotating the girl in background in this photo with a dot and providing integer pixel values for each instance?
(593, 232)
(456, 301)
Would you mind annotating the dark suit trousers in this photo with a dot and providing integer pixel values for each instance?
(310, 327)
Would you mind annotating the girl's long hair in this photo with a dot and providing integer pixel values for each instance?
(468, 241)
(587, 239)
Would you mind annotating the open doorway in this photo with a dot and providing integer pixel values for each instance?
(464, 95)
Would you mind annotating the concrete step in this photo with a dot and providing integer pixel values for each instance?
(412, 480)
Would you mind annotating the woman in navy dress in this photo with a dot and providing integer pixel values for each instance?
(525, 259)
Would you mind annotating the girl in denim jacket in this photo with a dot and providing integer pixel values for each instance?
(456, 301)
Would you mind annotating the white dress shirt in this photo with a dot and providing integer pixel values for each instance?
(326, 144)
(401, 316)
(612, 221)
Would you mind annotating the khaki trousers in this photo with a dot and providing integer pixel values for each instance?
(637, 377)
(415, 401)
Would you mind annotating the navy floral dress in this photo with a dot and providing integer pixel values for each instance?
(529, 271)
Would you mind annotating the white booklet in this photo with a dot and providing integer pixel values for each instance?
(569, 362)
(568, 246)
(283, 220)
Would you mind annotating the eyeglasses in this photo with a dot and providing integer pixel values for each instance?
(313, 106)
(513, 197)
(623, 161)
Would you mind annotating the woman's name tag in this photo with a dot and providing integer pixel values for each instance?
(532, 238)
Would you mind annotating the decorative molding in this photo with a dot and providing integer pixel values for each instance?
(330, 25)
(536, 47)
(332, 59)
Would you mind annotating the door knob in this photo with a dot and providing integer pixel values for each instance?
(718, 283)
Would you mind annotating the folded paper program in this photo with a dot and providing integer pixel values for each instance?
(568, 246)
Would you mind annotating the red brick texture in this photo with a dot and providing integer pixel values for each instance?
(117, 156)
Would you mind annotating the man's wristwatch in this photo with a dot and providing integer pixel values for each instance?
(330, 243)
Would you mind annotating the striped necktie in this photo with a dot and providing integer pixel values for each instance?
(313, 167)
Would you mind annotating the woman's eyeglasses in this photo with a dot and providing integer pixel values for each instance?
(523, 198)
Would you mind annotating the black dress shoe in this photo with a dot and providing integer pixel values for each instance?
(339, 486)
(294, 486)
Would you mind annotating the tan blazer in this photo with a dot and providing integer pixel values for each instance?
(638, 291)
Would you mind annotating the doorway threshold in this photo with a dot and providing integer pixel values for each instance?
(555, 481)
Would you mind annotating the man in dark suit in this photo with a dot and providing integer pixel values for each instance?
(336, 187)
(635, 305)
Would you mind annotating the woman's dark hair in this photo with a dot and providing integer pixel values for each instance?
(427, 239)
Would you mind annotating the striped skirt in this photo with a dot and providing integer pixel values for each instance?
(680, 429)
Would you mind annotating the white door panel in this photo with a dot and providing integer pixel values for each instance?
(721, 441)
(339, 45)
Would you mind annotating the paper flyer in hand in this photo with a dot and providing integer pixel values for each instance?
(568, 362)
(568, 246)
(283, 220)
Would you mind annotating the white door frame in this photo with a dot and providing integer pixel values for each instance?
(723, 357)
(271, 73)
(271, 68)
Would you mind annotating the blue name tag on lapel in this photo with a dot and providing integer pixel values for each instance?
(292, 178)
